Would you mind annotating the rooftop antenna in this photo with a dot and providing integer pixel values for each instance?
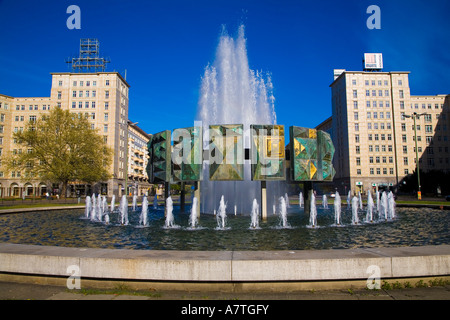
(89, 59)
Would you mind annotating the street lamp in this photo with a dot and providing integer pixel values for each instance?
(415, 116)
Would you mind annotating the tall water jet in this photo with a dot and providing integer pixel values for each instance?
(143, 220)
(337, 209)
(232, 93)
(283, 213)
(383, 207)
(324, 201)
(255, 215)
(313, 212)
(222, 214)
(87, 209)
(378, 201)
(370, 206)
(355, 205)
(193, 219)
(123, 211)
(169, 214)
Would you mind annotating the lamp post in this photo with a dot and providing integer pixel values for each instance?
(415, 116)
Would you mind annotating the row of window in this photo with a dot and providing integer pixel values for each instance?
(84, 94)
(82, 83)
(88, 104)
(379, 82)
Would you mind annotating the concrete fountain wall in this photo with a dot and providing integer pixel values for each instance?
(225, 267)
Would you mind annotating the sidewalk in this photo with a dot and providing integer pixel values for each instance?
(20, 291)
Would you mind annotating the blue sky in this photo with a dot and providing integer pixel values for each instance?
(165, 46)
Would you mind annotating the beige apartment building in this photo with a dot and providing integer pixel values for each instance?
(374, 141)
(102, 97)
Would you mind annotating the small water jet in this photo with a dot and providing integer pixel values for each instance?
(87, 209)
(391, 205)
(286, 197)
(193, 219)
(255, 215)
(94, 208)
(143, 220)
(349, 199)
(313, 212)
(355, 205)
(300, 200)
(134, 203)
(324, 201)
(337, 209)
(383, 213)
(123, 211)
(169, 223)
(370, 206)
(360, 202)
(221, 214)
(113, 203)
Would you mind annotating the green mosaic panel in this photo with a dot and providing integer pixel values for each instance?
(187, 154)
(267, 152)
(159, 150)
(226, 152)
(312, 154)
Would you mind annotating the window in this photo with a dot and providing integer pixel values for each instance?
(405, 149)
(355, 115)
(355, 104)
(88, 83)
(74, 94)
(106, 94)
(404, 138)
(87, 93)
(401, 94)
(107, 83)
(80, 94)
(74, 83)
(93, 104)
(80, 104)
(378, 171)
(405, 161)
(59, 94)
(105, 128)
(354, 82)
(356, 126)
(86, 104)
(367, 93)
(356, 138)
(60, 83)
(94, 83)
(428, 129)
(400, 82)
(374, 93)
(371, 171)
(358, 161)
(370, 137)
(106, 116)
(428, 118)
(369, 115)
(94, 93)
(106, 105)
(370, 159)
(355, 93)
(402, 105)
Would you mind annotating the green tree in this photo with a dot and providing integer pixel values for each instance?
(61, 147)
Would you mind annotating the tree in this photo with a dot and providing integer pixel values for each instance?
(61, 147)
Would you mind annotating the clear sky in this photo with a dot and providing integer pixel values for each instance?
(165, 46)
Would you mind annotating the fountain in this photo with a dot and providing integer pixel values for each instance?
(143, 220)
(255, 215)
(193, 219)
(370, 206)
(355, 205)
(313, 212)
(232, 93)
(378, 201)
(221, 214)
(337, 209)
(123, 211)
(324, 201)
(99, 208)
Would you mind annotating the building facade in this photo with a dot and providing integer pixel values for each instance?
(374, 140)
(102, 97)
